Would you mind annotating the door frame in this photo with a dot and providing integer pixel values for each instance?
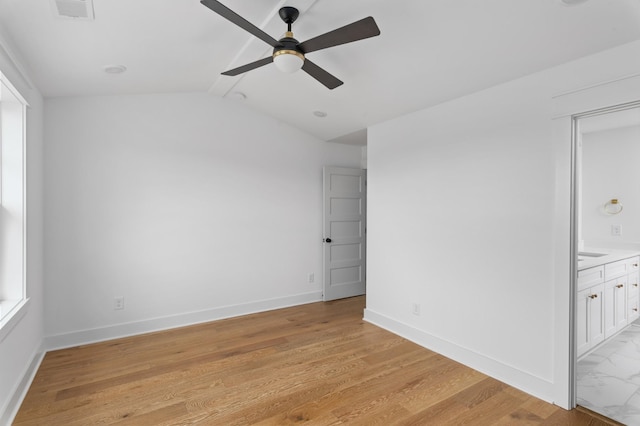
(573, 230)
(563, 106)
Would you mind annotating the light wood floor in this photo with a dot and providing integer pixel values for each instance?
(317, 363)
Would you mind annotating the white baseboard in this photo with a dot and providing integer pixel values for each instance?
(84, 337)
(533, 385)
(8, 413)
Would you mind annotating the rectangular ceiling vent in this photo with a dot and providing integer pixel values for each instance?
(73, 9)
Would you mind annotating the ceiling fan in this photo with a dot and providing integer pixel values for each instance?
(288, 53)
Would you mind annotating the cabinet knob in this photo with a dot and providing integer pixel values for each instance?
(593, 296)
(635, 285)
(620, 286)
(635, 265)
(635, 309)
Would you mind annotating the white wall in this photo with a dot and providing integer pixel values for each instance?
(20, 341)
(190, 206)
(610, 169)
(468, 216)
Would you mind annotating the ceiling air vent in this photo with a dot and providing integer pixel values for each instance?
(73, 9)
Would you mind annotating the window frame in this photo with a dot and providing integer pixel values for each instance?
(12, 310)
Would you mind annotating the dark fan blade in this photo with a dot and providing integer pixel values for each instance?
(321, 75)
(229, 14)
(249, 67)
(358, 30)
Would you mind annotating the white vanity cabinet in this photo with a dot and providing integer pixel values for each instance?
(607, 301)
(615, 296)
(590, 312)
(615, 305)
(590, 318)
(633, 290)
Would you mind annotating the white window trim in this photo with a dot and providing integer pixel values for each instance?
(16, 309)
(12, 318)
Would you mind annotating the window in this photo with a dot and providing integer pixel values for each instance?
(12, 199)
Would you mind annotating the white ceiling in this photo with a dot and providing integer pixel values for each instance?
(428, 52)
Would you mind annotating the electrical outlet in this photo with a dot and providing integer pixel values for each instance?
(118, 303)
(416, 309)
(311, 277)
(616, 230)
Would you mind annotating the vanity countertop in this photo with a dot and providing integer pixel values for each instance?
(609, 255)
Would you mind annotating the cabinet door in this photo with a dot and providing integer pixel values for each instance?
(596, 315)
(589, 318)
(633, 295)
(621, 303)
(582, 321)
(633, 289)
(615, 305)
(632, 310)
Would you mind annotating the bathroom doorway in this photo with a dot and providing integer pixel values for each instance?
(607, 248)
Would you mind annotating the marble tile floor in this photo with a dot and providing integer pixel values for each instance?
(608, 379)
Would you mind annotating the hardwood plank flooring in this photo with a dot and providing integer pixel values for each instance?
(318, 364)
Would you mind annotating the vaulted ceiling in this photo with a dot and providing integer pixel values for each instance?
(428, 52)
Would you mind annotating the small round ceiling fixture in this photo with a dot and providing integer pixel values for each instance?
(320, 114)
(115, 69)
(238, 96)
(573, 2)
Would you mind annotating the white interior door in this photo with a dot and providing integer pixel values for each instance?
(345, 204)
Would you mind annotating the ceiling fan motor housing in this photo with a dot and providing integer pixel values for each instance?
(288, 45)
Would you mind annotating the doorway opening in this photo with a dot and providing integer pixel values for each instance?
(605, 252)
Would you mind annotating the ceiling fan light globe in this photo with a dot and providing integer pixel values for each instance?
(288, 61)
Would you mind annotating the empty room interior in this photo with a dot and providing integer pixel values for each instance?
(441, 172)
